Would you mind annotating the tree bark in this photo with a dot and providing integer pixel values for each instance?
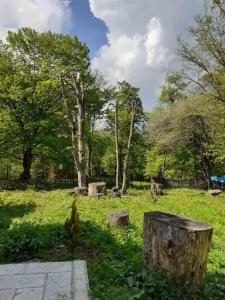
(96, 188)
(27, 161)
(82, 182)
(177, 244)
(118, 218)
(117, 146)
(76, 120)
(126, 159)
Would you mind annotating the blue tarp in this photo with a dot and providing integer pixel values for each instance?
(218, 179)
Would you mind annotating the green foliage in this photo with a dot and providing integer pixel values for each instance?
(157, 284)
(191, 134)
(33, 221)
(26, 239)
(30, 93)
(173, 90)
(72, 226)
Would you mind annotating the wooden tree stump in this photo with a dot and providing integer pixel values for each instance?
(159, 189)
(177, 244)
(96, 188)
(79, 191)
(115, 192)
(156, 188)
(215, 192)
(118, 218)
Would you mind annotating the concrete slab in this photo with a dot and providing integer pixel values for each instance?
(44, 281)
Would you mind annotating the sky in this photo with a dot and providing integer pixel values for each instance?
(133, 40)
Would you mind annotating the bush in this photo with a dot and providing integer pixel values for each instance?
(25, 240)
(72, 226)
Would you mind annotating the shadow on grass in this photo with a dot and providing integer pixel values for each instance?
(113, 258)
(39, 186)
(9, 211)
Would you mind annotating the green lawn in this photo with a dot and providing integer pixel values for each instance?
(32, 227)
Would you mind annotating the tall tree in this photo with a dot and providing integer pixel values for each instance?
(124, 120)
(30, 64)
(28, 96)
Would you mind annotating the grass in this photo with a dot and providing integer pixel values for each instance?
(32, 227)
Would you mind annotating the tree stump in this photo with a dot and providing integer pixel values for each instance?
(79, 191)
(118, 218)
(156, 188)
(95, 188)
(159, 189)
(177, 244)
(215, 192)
(115, 192)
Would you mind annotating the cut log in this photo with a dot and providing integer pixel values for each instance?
(95, 188)
(79, 191)
(159, 189)
(99, 195)
(118, 218)
(116, 194)
(215, 192)
(156, 188)
(177, 244)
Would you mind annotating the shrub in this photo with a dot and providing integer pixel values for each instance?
(72, 226)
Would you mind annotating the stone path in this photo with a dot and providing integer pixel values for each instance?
(44, 281)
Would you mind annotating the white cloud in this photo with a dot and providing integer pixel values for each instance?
(141, 40)
(41, 15)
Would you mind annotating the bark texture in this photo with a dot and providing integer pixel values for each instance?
(117, 146)
(80, 191)
(156, 188)
(126, 159)
(118, 218)
(27, 161)
(96, 188)
(177, 244)
(76, 119)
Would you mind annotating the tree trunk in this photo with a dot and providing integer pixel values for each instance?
(76, 120)
(117, 146)
(126, 159)
(177, 244)
(89, 158)
(27, 161)
(82, 182)
(118, 218)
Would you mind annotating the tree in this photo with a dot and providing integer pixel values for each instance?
(31, 64)
(29, 97)
(124, 121)
(204, 59)
(173, 89)
(189, 124)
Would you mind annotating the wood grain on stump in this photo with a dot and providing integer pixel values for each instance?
(177, 244)
(96, 188)
(79, 191)
(118, 218)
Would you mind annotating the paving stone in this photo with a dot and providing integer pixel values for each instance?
(22, 281)
(80, 281)
(12, 269)
(29, 294)
(7, 294)
(50, 267)
(58, 287)
(44, 281)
